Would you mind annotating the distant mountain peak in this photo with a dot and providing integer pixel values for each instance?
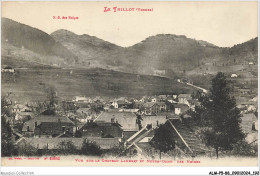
(63, 32)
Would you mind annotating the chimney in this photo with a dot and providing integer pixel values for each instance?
(157, 122)
(59, 120)
(112, 120)
(35, 123)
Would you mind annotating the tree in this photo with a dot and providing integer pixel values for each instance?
(52, 97)
(7, 146)
(163, 139)
(139, 121)
(224, 117)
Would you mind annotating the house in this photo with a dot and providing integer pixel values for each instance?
(127, 120)
(29, 126)
(24, 116)
(138, 136)
(162, 106)
(184, 98)
(150, 108)
(49, 143)
(159, 72)
(154, 121)
(134, 100)
(153, 99)
(194, 103)
(84, 111)
(139, 143)
(69, 106)
(99, 99)
(255, 99)
(249, 126)
(138, 105)
(233, 76)
(180, 108)
(114, 104)
(8, 69)
(53, 129)
(122, 103)
(102, 129)
(174, 97)
(148, 137)
(143, 99)
(21, 108)
(170, 105)
(249, 123)
(105, 143)
(80, 99)
(162, 97)
(54, 143)
(85, 114)
(129, 110)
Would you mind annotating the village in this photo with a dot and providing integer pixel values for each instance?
(117, 126)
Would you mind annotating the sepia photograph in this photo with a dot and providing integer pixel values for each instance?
(129, 84)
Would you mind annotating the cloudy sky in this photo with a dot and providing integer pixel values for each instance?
(221, 23)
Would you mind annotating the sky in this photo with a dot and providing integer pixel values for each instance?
(221, 23)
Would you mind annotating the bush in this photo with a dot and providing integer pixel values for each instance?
(67, 148)
(26, 150)
(242, 148)
(91, 148)
(117, 151)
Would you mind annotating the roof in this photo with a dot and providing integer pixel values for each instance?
(180, 105)
(251, 137)
(18, 106)
(26, 114)
(81, 104)
(44, 118)
(153, 120)
(83, 110)
(183, 107)
(126, 119)
(172, 116)
(102, 129)
(41, 143)
(8, 67)
(105, 143)
(164, 97)
(160, 103)
(51, 128)
(255, 99)
(187, 96)
(149, 104)
(122, 102)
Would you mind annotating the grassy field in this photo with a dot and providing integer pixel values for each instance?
(29, 84)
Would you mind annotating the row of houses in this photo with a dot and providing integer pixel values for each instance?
(114, 129)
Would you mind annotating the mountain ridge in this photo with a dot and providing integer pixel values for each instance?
(161, 55)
